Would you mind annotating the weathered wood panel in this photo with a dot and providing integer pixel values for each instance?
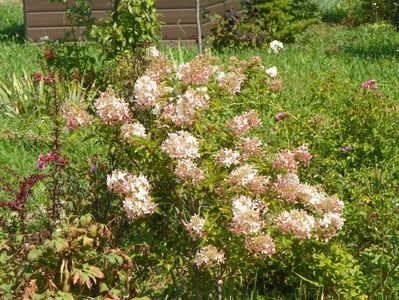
(53, 33)
(178, 17)
(188, 16)
(56, 19)
(44, 5)
(169, 32)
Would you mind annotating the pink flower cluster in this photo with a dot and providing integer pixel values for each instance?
(209, 257)
(159, 68)
(183, 111)
(195, 227)
(228, 157)
(112, 110)
(297, 222)
(241, 125)
(281, 116)
(187, 170)
(247, 218)
(287, 160)
(199, 70)
(184, 147)
(230, 82)
(370, 84)
(75, 115)
(246, 176)
(135, 189)
(261, 245)
(131, 130)
(250, 147)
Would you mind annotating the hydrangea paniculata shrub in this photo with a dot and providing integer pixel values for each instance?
(205, 176)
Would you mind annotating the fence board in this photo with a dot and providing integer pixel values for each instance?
(44, 18)
(56, 19)
(45, 6)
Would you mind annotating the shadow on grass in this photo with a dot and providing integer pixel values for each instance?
(14, 33)
(372, 50)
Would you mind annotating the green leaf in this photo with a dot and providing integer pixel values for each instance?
(34, 254)
(103, 287)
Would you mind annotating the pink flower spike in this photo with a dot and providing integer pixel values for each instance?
(281, 116)
(41, 162)
(370, 84)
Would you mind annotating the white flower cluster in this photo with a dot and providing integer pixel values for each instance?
(297, 222)
(146, 92)
(228, 157)
(134, 129)
(75, 115)
(184, 147)
(330, 208)
(135, 189)
(182, 112)
(276, 46)
(181, 145)
(195, 227)
(246, 176)
(209, 256)
(247, 216)
(272, 72)
(112, 110)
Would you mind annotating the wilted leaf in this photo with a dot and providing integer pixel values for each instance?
(30, 290)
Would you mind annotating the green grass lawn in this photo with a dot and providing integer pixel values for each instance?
(323, 53)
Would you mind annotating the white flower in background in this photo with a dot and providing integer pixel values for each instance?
(209, 256)
(195, 227)
(135, 129)
(276, 46)
(153, 52)
(272, 72)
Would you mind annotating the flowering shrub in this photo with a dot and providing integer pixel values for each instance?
(197, 179)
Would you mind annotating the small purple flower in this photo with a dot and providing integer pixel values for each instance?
(41, 162)
(93, 168)
(281, 116)
(346, 149)
(370, 84)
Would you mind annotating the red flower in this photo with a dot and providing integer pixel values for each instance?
(48, 54)
(63, 161)
(38, 76)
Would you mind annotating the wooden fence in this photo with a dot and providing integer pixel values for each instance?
(178, 17)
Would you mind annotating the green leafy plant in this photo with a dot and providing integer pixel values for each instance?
(133, 26)
(264, 21)
(75, 260)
